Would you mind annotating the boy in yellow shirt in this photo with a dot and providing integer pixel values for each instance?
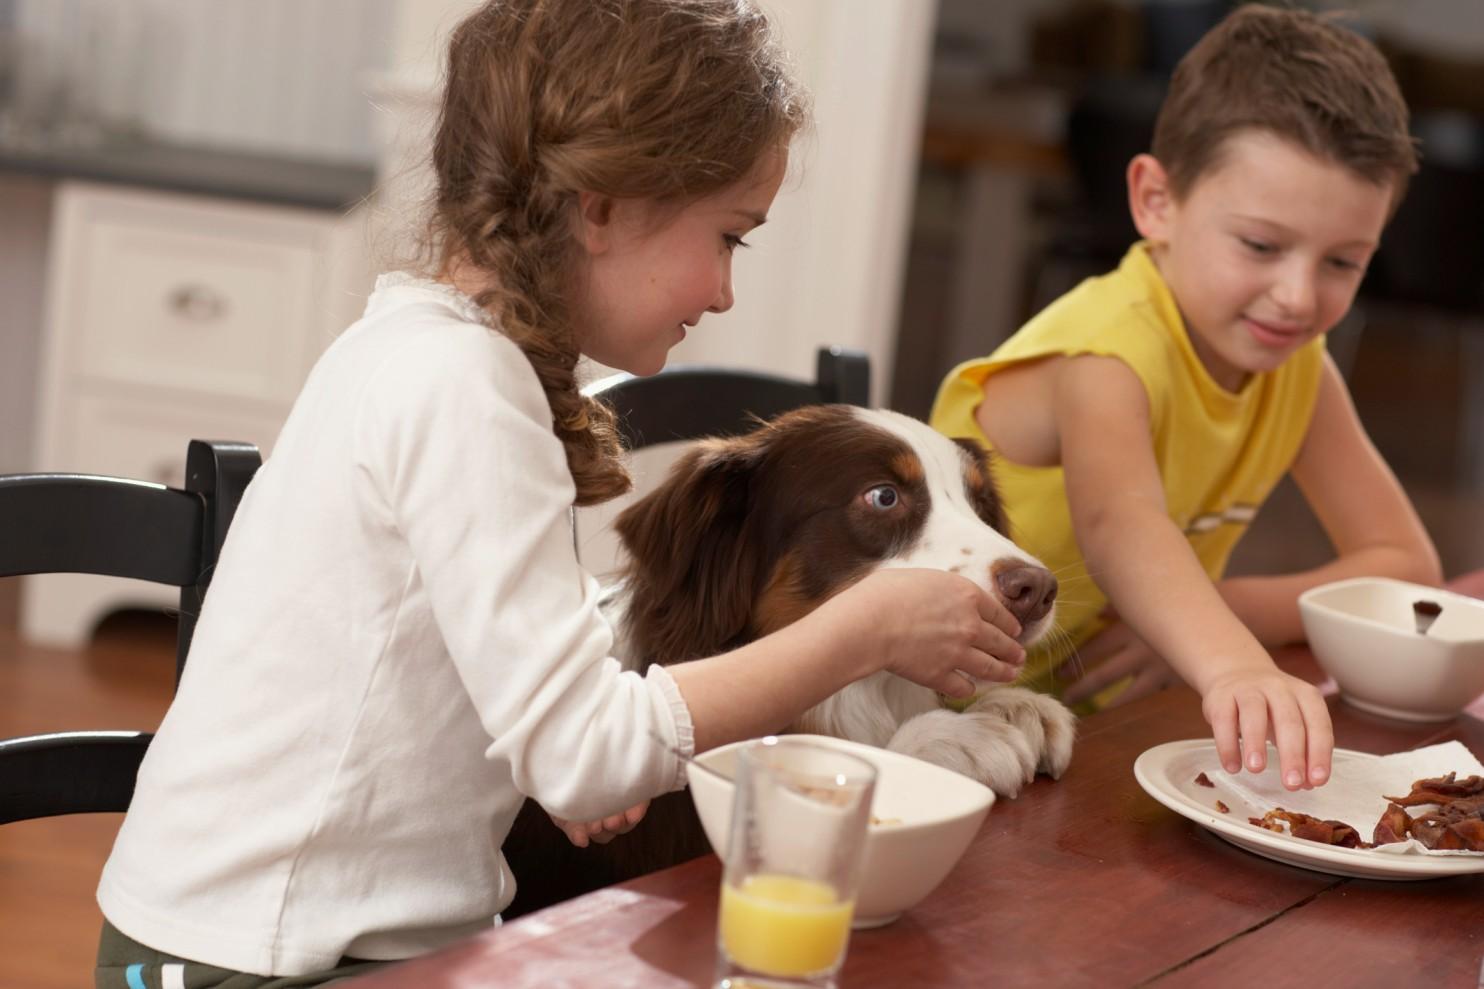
(1140, 421)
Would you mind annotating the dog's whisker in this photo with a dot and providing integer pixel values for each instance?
(1058, 642)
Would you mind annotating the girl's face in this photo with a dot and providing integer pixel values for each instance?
(647, 275)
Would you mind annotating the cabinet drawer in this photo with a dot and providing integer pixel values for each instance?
(196, 296)
(147, 441)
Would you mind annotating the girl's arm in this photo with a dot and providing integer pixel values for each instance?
(1144, 563)
(924, 625)
(1363, 509)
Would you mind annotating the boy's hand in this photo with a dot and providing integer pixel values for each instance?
(580, 833)
(1112, 655)
(1254, 704)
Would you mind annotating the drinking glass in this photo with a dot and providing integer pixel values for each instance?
(793, 865)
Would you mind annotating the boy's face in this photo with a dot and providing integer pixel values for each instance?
(1264, 252)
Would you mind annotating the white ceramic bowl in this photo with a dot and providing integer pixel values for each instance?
(1363, 634)
(927, 816)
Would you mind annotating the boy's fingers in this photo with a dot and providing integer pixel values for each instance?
(1289, 737)
(1321, 736)
(1252, 715)
(1142, 686)
(1095, 679)
(1104, 644)
(1223, 718)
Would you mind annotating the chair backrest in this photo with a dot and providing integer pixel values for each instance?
(79, 523)
(687, 403)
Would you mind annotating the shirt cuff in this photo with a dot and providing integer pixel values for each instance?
(685, 731)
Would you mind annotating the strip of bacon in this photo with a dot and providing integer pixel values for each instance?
(1441, 790)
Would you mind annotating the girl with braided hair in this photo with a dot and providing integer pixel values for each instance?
(400, 644)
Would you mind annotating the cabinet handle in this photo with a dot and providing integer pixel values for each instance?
(198, 303)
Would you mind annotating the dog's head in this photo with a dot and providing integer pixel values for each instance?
(746, 535)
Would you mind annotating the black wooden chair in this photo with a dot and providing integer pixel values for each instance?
(79, 523)
(679, 404)
(687, 403)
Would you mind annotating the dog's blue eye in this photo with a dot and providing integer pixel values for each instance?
(882, 496)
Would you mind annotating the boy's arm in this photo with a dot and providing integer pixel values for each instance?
(1360, 504)
(1145, 565)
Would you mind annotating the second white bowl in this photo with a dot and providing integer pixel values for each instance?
(923, 818)
(1363, 634)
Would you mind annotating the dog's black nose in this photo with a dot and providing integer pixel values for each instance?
(1029, 591)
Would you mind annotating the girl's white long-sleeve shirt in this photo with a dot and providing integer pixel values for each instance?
(398, 645)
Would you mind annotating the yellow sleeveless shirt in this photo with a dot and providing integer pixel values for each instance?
(1220, 454)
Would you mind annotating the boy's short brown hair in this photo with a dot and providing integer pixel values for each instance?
(1292, 73)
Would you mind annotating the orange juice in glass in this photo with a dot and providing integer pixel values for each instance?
(798, 829)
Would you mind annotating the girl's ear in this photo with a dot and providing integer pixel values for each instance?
(595, 222)
(1150, 201)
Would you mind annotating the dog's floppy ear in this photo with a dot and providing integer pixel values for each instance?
(692, 570)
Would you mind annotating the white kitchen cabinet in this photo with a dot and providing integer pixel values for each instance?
(172, 317)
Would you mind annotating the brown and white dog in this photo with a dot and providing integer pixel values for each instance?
(748, 534)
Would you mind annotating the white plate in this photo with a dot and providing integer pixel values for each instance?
(1167, 772)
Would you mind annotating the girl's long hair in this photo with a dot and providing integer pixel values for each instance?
(663, 100)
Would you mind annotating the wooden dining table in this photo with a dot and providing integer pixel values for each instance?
(1082, 881)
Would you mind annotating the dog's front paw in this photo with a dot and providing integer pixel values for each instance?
(984, 747)
(1047, 723)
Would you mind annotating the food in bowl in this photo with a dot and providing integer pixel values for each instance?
(922, 819)
(1364, 633)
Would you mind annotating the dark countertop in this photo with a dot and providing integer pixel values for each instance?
(260, 178)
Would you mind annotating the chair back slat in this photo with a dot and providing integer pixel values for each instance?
(688, 403)
(72, 773)
(76, 523)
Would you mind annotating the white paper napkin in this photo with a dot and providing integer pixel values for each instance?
(1356, 793)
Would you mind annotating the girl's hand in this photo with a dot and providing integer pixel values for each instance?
(1255, 704)
(603, 831)
(1112, 655)
(934, 628)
